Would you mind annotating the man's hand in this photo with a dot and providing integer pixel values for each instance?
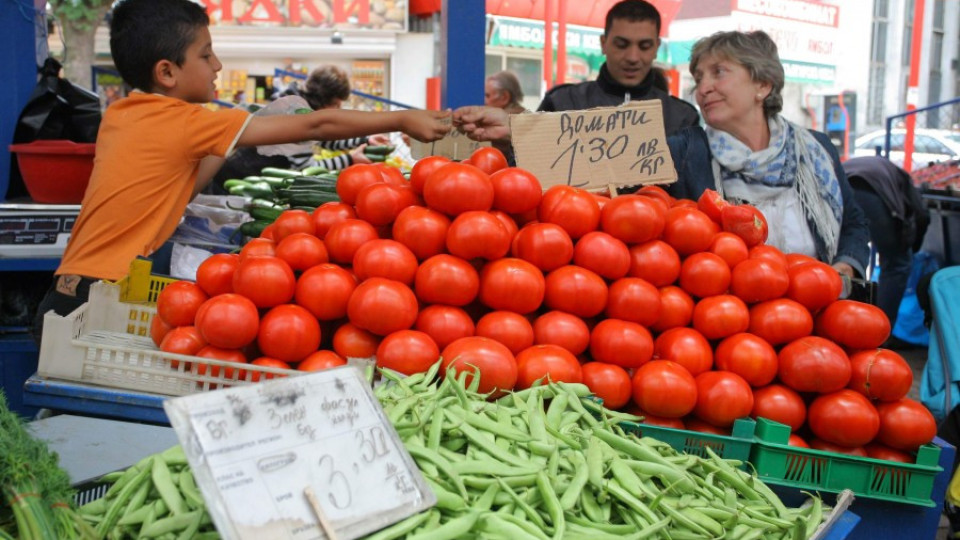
(483, 123)
(358, 156)
(426, 126)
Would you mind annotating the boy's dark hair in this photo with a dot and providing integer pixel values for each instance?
(144, 32)
(325, 84)
(633, 11)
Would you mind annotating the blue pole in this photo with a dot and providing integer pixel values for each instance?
(462, 44)
(18, 56)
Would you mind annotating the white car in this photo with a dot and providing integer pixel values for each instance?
(929, 146)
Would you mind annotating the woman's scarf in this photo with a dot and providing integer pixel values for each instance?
(793, 158)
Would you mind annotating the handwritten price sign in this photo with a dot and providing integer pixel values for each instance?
(255, 449)
(595, 148)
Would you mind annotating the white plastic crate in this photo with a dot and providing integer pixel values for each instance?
(106, 342)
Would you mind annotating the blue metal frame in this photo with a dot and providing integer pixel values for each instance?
(462, 48)
(91, 400)
(890, 119)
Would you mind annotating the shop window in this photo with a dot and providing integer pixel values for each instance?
(530, 74)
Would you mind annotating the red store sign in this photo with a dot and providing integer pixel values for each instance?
(368, 14)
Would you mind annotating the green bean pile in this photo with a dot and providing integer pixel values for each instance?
(156, 498)
(548, 462)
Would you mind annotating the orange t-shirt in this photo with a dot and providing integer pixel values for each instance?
(149, 149)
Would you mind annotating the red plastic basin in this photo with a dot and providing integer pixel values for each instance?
(55, 171)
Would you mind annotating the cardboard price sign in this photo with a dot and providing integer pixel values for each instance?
(595, 148)
(455, 146)
(258, 450)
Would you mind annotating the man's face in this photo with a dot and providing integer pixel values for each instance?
(493, 96)
(630, 48)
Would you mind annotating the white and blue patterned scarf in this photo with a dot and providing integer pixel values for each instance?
(793, 158)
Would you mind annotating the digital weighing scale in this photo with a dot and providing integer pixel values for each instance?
(29, 230)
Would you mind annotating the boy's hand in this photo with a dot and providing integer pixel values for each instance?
(426, 126)
(483, 123)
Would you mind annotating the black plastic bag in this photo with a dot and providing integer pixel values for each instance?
(57, 109)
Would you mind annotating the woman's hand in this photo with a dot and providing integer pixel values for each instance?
(358, 156)
(844, 269)
(483, 123)
(380, 139)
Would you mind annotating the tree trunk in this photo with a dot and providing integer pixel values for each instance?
(79, 54)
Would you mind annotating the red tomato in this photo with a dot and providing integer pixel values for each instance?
(686, 347)
(853, 324)
(422, 230)
(159, 329)
(445, 324)
(689, 230)
(546, 245)
(382, 306)
(329, 214)
(880, 374)
(814, 364)
(293, 221)
(302, 251)
(215, 273)
(576, 290)
(178, 302)
(603, 254)
(515, 191)
(746, 222)
(695, 424)
(351, 341)
(512, 285)
(547, 363)
(445, 279)
(656, 192)
(655, 261)
(704, 274)
(325, 290)
(770, 253)
(354, 178)
(905, 424)
(423, 168)
(488, 159)
(228, 321)
(266, 361)
(408, 352)
(814, 284)
(385, 258)
(845, 418)
(478, 235)
(391, 174)
(288, 332)
(508, 222)
(759, 280)
(345, 238)
(781, 404)
(796, 440)
(793, 259)
(749, 356)
(479, 356)
(267, 281)
(780, 321)
(507, 327)
(609, 382)
(258, 247)
(267, 232)
(712, 204)
(879, 451)
(381, 203)
(623, 343)
(223, 355)
(563, 329)
(572, 208)
(633, 299)
(730, 248)
(456, 188)
(665, 389)
(184, 340)
(320, 360)
(672, 423)
(720, 316)
(825, 446)
(633, 219)
(676, 309)
(722, 397)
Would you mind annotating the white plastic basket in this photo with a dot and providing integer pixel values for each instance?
(106, 342)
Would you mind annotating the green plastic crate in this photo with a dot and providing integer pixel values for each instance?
(804, 468)
(734, 446)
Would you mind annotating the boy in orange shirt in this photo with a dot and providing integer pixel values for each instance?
(158, 148)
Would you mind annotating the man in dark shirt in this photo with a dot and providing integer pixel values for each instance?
(630, 42)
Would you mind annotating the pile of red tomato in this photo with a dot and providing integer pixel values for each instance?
(672, 308)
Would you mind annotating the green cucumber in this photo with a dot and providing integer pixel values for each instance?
(316, 169)
(376, 158)
(253, 228)
(279, 173)
(303, 110)
(263, 213)
(312, 199)
(234, 182)
(381, 150)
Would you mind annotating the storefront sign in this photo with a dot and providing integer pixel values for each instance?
(809, 73)
(529, 34)
(797, 42)
(344, 14)
(793, 10)
(595, 148)
(255, 450)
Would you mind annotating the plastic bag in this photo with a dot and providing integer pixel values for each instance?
(211, 222)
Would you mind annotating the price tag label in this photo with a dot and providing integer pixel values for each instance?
(455, 145)
(595, 148)
(255, 449)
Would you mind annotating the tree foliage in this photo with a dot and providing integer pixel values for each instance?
(80, 13)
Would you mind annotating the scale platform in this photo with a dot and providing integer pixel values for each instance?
(30, 230)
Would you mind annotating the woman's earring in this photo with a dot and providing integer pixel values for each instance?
(759, 97)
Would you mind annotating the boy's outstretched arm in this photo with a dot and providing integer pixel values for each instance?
(207, 170)
(329, 124)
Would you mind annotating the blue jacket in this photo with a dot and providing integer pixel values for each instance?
(691, 155)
